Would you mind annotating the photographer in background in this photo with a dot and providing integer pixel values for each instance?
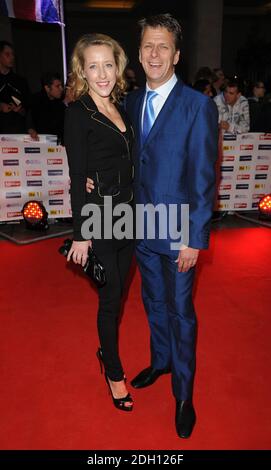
(14, 94)
(47, 109)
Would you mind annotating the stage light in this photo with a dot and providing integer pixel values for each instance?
(265, 207)
(35, 215)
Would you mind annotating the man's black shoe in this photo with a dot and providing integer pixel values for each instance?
(147, 377)
(185, 418)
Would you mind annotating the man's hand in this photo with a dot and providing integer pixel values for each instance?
(224, 125)
(187, 259)
(89, 185)
(5, 107)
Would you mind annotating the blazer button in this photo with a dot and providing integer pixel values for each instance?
(142, 185)
(144, 162)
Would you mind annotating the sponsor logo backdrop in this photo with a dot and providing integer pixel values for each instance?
(39, 171)
(245, 171)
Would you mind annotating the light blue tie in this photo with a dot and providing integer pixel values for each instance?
(149, 117)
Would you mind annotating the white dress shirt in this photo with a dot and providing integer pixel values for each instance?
(162, 94)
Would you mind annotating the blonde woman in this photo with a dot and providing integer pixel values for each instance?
(98, 139)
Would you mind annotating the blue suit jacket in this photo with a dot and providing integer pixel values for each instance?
(176, 164)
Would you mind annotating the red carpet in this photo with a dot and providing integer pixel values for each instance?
(52, 394)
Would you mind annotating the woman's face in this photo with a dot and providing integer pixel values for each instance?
(100, 70)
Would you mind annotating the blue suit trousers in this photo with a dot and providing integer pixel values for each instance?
(167, 297)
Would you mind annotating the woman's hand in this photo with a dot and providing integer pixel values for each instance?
(79, 252)
(89, 185)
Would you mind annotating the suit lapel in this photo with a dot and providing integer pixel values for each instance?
(138, 114)
(88, 102)
(166, 111)
(90, 105)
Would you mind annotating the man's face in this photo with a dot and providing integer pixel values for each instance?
(158, 55)
(55, 90)
(130, 75)
(7, 57)
(208, 91)
(259, 90)
(220, 77)
(231, 95)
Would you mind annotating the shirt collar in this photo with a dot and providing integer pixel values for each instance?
(166, 88)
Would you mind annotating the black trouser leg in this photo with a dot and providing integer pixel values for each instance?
(117, 263)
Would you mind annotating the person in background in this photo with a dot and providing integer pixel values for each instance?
(14, 94)
(233, 109)
(257, 91)
(205, 73)
(130, 78)
(267, 108)
(46, 114)
(257, 107)
(218, 81)
(204, 86)
(68, 92)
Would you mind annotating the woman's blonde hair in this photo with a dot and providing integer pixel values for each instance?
(78, 83)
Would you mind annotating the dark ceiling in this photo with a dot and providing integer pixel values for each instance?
(245, 3)
(145, 6)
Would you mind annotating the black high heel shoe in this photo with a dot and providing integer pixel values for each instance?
(119, 403)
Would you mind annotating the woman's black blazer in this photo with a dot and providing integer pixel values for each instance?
(98, 149)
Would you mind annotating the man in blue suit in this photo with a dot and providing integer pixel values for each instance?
(176, 149)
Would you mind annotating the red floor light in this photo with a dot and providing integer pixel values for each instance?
(35, 215)
(265, 207)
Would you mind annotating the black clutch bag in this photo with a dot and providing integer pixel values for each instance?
(93, 268)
